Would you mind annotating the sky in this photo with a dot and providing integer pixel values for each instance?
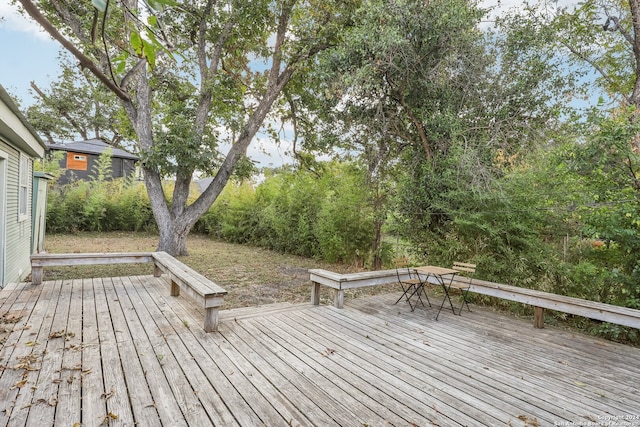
(28, 54)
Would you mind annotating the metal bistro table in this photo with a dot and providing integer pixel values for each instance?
(443, 276)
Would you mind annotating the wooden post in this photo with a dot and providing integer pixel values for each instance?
(315, 293)
(538, 317)
(36, 275)
(211, 319)
(175, 288)
(338, 298)
(157, 271)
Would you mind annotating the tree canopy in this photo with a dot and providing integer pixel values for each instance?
(192, 76)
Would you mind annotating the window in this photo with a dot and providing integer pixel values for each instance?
(77, 161)
(23, 189)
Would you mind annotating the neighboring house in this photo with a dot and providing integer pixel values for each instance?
(81, 157)
(19, 146)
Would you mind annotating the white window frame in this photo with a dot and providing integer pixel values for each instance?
(23, 188)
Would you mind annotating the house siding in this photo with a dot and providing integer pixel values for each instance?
(17, 232)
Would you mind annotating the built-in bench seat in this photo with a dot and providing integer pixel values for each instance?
(198, 287)
(39, 261)
(181, 276)
(339, 282)
(538, 299)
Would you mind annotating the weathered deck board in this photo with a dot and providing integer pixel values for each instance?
(123, 351)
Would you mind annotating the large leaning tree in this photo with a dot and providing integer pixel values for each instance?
(194, 77)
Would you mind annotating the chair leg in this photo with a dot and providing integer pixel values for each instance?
(465, 292)
(417, 291)
(404, 293)
(424, 290)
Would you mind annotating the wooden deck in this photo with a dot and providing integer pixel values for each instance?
(121, 351)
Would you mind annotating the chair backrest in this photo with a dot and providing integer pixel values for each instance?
(465, 267)
(401, 265)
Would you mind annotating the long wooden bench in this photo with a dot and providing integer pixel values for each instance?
(181, 277)
(198, 287)
(39, 261)
(538, 299)
(340, 282)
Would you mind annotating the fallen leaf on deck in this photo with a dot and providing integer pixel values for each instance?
(19, 384)
(107, 396)
(579, 384)
(529, 422)
(328, 352)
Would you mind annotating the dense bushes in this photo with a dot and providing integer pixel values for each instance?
(119, 205)
(316, 214)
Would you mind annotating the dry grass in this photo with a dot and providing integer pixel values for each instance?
(251, 275)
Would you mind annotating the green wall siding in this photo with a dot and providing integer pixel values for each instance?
(17, 233)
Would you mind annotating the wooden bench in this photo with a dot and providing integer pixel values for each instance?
(339, 282)
(198, 287)
(39, 261)
(544, 300)
(538, 299)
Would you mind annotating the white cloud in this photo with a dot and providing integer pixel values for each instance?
(12, 20)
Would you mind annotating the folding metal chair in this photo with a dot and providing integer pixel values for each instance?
(410, 283)
(468, 271)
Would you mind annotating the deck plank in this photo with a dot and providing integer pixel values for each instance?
(371, 403)
(402, 385)
(18, 353)
(195, 393)
(260, 410)
(68, 409)
(115, 395)
(136, 387)
(45, 395)
(125, 347)
(38, 333)
(541, 353)
(153, 352)
(454, 375)
(527, 353)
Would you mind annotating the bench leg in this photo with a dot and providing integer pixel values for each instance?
(538, 317)
(211, 319)
(338, 298)
(36, 275)
(157, 271)
(315, 293)
(175, 289)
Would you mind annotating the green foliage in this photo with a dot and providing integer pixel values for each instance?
(50, 164)
(100, 205)
(102, 168)
(77, 105)
(299, 212)
(344, 228)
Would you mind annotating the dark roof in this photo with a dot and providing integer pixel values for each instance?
(92, 146)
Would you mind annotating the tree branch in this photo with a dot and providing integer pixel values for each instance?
(33, 11)
(595, 65)
(47, 101)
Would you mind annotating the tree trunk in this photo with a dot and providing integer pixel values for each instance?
(173, 236)
(376, 246)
